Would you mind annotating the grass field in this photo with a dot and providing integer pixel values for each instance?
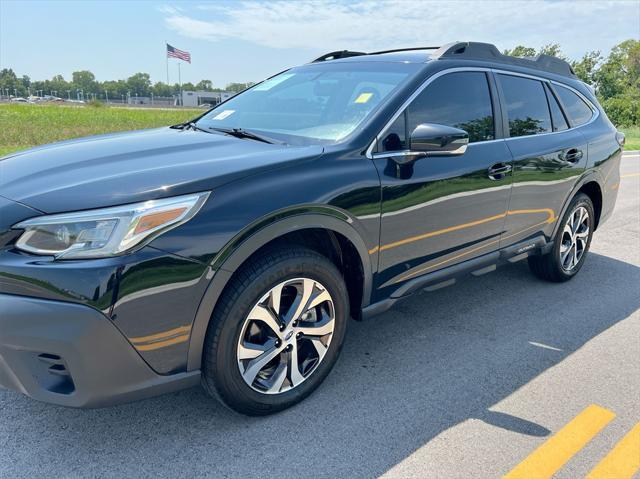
(24, 126)
(632, 138)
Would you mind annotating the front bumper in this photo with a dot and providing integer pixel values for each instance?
(70, 354)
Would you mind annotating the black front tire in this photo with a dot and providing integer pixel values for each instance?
(549, 267)
(221, 376)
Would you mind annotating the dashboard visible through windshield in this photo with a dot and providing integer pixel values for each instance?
(310, 104)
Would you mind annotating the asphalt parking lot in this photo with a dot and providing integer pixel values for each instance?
(464, 382)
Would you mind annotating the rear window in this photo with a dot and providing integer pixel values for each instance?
(527, 108)
(578, 111)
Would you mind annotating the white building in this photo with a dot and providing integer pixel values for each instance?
(197, 98)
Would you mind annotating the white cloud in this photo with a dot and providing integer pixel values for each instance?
(381, 24)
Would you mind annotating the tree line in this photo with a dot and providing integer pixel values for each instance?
(615, 79)
(84, 83)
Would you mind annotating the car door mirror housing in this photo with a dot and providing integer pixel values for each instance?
(433, 139)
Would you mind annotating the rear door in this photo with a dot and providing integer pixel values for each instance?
(439, 211)
(548, 156)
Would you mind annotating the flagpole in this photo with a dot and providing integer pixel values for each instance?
(166, 56)
(180, 83)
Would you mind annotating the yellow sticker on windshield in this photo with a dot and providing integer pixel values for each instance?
(363, 97)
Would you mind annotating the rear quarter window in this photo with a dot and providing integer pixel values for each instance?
(577, 110)
(527, 107)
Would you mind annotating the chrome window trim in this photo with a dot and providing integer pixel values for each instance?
(595, 111)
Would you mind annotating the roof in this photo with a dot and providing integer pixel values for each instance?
(455, 50)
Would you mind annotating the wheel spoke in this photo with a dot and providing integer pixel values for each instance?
(262, 313)
(277, 379)
(564, 253)
(321, 328)
(321, 349)
(318, 299)
(583, 235)
(257, 364)
(295, 376)
(275, 296)
(252, 351)
(575, 255)
(300, 304)
(579, 218)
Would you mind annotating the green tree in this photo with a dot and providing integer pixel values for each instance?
(163, 90)
(521, 51)
(238, 87)
(552, 49)
(139, 84)
(84, 80)
(587, 66)
(205, 85)
(620, 72)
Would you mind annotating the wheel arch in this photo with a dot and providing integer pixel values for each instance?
(591, 185)
(261, 234)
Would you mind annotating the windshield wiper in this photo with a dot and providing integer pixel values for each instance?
(189, 125)
(242, 133)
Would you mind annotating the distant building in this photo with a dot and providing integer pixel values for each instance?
(197, 98)
(139, 100)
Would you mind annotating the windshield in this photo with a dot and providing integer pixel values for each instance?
(318, 103)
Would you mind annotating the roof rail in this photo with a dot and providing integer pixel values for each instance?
(487, 51)
(338, 54)
(402, 50)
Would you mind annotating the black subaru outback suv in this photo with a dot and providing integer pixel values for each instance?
(231, 250)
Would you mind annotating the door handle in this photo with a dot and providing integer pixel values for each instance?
(499, 171)
(573, 155)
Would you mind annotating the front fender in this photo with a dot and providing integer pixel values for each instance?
(253, 237)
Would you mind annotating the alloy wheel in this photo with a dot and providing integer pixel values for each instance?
(286, 336)
(575, 237)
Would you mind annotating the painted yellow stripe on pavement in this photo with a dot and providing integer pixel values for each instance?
(630, 175)
(624, 459)
(563, 445)
(162, 344)
(164, 334)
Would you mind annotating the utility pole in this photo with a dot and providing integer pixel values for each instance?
(106, 96)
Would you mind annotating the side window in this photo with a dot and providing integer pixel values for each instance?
(527, 108)
(577, 110)
(461, 100)
(557, 117)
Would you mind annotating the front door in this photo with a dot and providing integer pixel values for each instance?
(439, 211)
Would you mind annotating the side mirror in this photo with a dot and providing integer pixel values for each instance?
(439, 140)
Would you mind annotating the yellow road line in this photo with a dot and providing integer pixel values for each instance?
(624, 459)
(629, 175)
(162, 344)
(165, 334)
(563, 445)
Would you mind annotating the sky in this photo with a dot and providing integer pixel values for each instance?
(240, 41)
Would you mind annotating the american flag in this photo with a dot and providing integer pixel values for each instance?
(175, 53)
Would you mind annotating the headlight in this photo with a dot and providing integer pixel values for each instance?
(108, 231)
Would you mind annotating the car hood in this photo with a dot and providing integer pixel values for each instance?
(136, 166)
